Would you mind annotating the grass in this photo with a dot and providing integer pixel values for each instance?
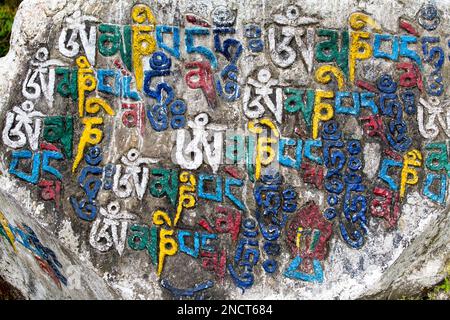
(7, 12)
(440, 291)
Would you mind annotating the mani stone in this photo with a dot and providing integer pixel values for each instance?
(100, 100)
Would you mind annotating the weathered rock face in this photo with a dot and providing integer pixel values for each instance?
(212, 149)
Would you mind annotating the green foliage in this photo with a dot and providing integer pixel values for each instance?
(441, 291)
(6, 20)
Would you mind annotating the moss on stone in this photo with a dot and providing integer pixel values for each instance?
(8, 292)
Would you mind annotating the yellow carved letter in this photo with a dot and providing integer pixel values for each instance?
(409, 175)
(323, 75)
(263, 145)
(90, 135)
